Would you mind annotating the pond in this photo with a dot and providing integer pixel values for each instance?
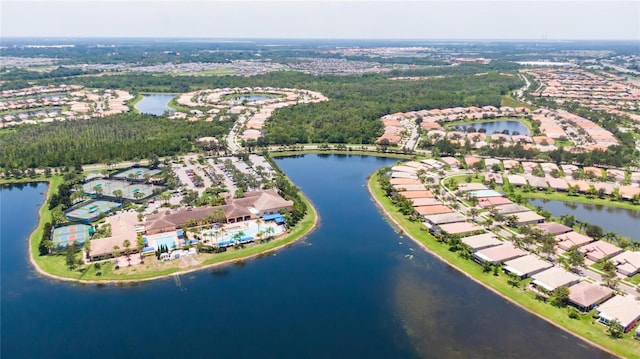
(353, 288)
(625, 222)
(155, 104)
(251, 98)
(513, 127)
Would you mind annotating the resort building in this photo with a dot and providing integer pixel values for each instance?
(586, 296)
(553, 278)
(526, 266)
(624, 309)
(254, 205)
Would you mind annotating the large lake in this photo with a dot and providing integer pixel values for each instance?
(349, 290)
(155, 104)
(622, 221)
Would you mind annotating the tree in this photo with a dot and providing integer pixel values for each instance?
(140, 246)
(615, 329)
(594, 231)
(138, 195)
(269, 231)
(118, 193)
(98, 190)
(70, 258)
(127, 249)
(575, 259)
(473, 212)
(87, 248)
(561, 296)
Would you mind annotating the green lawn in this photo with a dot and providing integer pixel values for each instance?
(585, 327)
(509, 101)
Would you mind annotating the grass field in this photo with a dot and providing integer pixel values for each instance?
(509, 101)
(585, 326)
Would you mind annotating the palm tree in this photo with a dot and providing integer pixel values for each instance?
(269, 231)
(118, 193)
(127, 250)
(140, 246)
(87, 248)
(473, 212)
(98, 190)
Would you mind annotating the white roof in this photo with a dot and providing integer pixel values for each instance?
(526, 265)
(554, 277)
(481, 241)
(626, 309)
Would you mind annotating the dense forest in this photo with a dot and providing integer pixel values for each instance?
(356, 102)
(111, 139)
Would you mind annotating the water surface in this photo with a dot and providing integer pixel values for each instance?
(353, 288)
(514, 127)
(155, 104)
(625, 222)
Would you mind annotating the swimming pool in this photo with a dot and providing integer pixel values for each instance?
(169, 242)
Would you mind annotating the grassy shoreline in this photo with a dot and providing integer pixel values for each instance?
(584, 327)
(341, 152)
(55, 266)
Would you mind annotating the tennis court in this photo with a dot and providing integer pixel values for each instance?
(136, 173)
(74, 234)
(91, 210)
(108, 187)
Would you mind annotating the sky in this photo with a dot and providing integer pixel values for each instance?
(347, 19)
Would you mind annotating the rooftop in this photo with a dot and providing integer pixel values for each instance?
(554, 277)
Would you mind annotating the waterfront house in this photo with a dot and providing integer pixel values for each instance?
(624, 309)
(599, 250)
(481, 241)
(498, 254)
(553, 278)
(568, 240)
(526, 266)
(586, 296)
(627, 263)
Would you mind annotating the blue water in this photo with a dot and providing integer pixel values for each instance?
(252, 98)
(498, 127)
(625, 222)
(348, 290)
(155, 104)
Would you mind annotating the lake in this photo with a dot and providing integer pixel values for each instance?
(155, 104)
(497, 126)
(251, 98)
(353, 288)
(622, 221)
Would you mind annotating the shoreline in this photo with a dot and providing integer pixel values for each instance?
(45, 274)
(424, 247)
